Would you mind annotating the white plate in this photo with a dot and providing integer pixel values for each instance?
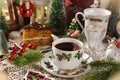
(55, 71)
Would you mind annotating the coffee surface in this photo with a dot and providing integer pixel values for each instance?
(67, 46)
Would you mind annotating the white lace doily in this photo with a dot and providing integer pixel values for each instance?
(3, 65)
(18, 73)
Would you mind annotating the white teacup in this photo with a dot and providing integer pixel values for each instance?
(70, 58)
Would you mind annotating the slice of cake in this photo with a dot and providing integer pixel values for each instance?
(37, 36)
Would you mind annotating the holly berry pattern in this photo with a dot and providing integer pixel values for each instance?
(48, 65)
(64, 56)
(67, 57)
(95, 19)
(78, 55)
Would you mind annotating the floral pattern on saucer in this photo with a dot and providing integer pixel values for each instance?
(49, 66)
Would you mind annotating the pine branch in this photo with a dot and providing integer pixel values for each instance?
(97, 75)
(29, 56)
(102, 70)
(3, 24)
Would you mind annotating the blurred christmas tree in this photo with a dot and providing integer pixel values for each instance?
(114, 7)
(3, 28)
(57, 18)
(3, 24)
(3, 43)
(17, 2)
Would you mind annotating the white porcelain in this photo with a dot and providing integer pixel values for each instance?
(64, 63)
(111, 50)
(54, 37)
(96, 22)
(59, 73)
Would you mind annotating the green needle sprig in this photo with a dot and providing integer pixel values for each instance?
(29, 56)
(102, 70)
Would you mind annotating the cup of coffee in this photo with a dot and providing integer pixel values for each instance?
(67, 53)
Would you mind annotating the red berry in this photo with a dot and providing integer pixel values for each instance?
(118, 44)
(21, 51)
(31, 46)
(12, 52)
(14, 47)
(11, 57)
(24, 45)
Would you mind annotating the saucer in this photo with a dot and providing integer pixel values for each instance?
(48, 65)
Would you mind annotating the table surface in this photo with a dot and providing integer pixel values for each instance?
(4, 76)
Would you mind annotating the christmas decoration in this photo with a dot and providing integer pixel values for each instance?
(57, 18)
(102, 70)
(26, 8)
(111, 50)
(3, 28)
(73, 25)
(28, 57)
(96, 4)
(24, 55)
(3, 43)
(73, 30)
(3, 24)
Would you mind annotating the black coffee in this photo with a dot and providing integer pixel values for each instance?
(67, 46)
